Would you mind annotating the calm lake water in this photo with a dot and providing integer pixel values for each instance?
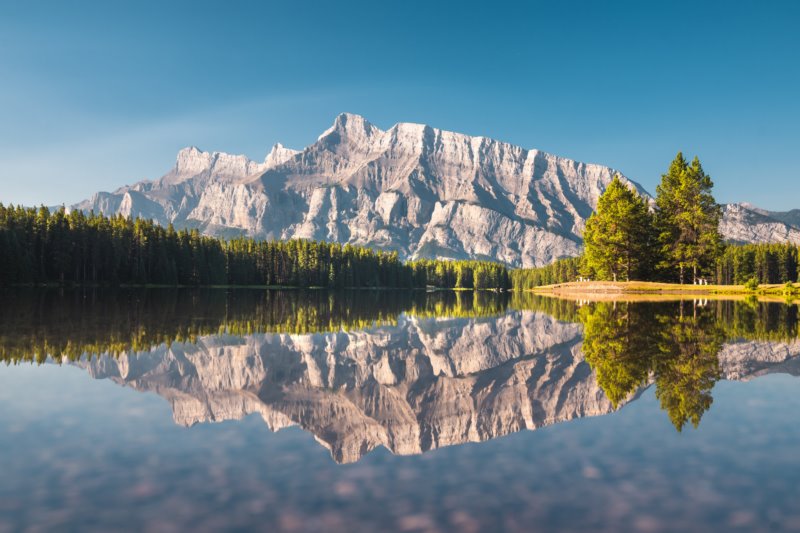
(164, 410)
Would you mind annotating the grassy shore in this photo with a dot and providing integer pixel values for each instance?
(649, 287)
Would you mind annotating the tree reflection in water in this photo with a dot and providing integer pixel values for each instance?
(674, 345)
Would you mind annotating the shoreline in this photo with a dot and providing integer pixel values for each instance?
(616, 288)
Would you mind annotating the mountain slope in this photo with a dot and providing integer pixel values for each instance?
(744, 223)
(419, 190)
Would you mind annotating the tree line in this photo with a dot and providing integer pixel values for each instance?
(766, 263)
(40, 247)
(465, 274)
(736, 265)
(560, 271)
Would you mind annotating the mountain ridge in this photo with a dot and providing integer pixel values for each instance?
(419, 190)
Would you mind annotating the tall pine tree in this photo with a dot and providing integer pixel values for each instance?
(687, 219)
(619, 235)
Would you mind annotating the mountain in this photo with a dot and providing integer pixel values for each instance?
(745, 223)
(791, 218)
(421, 191)
(423, 384)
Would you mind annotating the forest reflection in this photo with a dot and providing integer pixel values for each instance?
(673, 345)
(36, 323)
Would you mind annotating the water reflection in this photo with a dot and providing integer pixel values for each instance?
(630, 345)
(35, 324)
(407, 371)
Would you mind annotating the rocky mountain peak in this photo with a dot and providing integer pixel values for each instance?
(422, 191)
(745, 223)
(191, 161)
(278, 155)
(352, 127)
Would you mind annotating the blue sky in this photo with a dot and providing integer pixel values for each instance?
(94, 95)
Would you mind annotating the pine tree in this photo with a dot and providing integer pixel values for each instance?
(618, 236)
(687, 218)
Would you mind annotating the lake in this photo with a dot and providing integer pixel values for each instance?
(169, 410)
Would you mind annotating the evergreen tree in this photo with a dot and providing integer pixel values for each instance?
(687, 219)
(618, 236)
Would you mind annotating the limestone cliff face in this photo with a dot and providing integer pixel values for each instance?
(419, 190)
(422, 191)
(744, 223)
(417, 386)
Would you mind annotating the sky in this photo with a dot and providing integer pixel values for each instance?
(96, 95)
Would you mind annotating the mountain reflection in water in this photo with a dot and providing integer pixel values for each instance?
(408, 371)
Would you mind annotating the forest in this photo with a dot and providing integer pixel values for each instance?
(736, 265)
(38, 246)
(560, 271)
(766, 263)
